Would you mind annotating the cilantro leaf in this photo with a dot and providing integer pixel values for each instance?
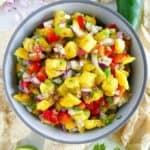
(116, 148)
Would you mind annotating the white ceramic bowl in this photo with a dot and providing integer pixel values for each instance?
(107, 16)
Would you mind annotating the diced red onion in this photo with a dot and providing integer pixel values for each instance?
(41, 96)
(86, 90)
(103, 65)
(120, 35)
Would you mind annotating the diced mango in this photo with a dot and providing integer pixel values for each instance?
(96, 95)
(44, 105)
(88, 67)
(64, 32)
(47, 87)
(71, 49)
(119, 46)
(86, 42)
(28, 44)
(90, 19)
(69, 100)
(55, 67)
(42, 42)
(22, 98)
(122, 78)
(101, 76)
(110, 85)
(93, 123)
(102, 35)
(42, 32)
(59, 17)
(128, 59)
(87, 79)
(22, 53)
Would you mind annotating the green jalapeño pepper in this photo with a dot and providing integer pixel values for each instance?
(131, 10)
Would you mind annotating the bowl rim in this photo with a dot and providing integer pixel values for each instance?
(98, 5)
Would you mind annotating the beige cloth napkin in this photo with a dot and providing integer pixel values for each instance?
(135, 135)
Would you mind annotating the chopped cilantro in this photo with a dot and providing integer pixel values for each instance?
(116, 148)
(119, 117)
(110, 100)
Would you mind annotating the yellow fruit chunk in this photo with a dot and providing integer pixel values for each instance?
(69, 101)
(119, 46)
(44, 105)
(59, 17)
(22, 98)
(101, 76)
(47, 87)
(102, 35)
(90, 19)
(110, 85)
(43, 43)
(71, 49)
(22, 53)
(55, 67)
(122, 78)
(42, 32)
(87, 79)
(28, 44)
(88, 67)
(95, 96)
(128, 59)
(93, 123)
(86, 42)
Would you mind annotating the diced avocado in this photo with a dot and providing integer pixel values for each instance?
(87, 79)
(71, 49)
(86, 42)
(22, 53)
(69, 100)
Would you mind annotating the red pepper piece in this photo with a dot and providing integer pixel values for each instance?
(34, 67)
(41, 75)
(81, 22)
(51, 116)
(64, 118)
(81, 52)
(52, 37)
(112, 26)
(110, 52)
(119, 58)
(81, 105)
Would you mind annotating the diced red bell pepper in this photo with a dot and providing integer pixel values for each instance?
(112, 26)
(52, 37)
(35, 56)
(81, 22)
(119, 58)
(94, 107)
(33, 68)
(64, 118)
(101, 50)
(50, 116)
(110, 52)
(82, 105)
(81, 52)
(41, 75)
(121, 91)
